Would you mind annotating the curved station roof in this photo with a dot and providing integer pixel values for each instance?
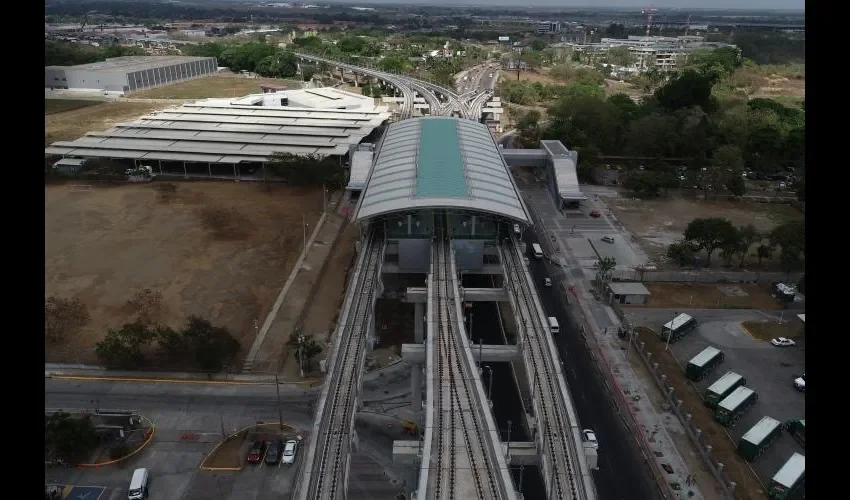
(440, 163)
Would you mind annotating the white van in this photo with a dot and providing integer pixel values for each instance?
(553, 325)
(138, 485)
(538, 252)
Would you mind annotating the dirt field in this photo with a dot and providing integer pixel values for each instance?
(723, 449)
(221, 85)
(105, 243)
(525, 76)
(229, 455)
(69, 125)
(660, 222)
(709, 296)
(53, 106)
(766, 330)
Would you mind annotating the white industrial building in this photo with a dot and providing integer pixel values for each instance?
(129, 73)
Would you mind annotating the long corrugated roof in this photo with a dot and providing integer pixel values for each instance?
(466, 151)
(134, 63)
(223, 133)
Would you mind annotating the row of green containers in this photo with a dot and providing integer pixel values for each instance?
(730, 400)
(727, 396)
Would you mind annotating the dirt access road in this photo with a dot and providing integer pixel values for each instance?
(218, 250)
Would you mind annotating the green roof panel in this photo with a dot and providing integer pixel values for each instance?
(439, 170)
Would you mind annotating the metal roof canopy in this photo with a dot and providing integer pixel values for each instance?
(196, 135)
(134, 63)
(391, 187)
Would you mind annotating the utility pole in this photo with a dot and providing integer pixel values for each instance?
(669, 333)
(304, 227)
(279, 410)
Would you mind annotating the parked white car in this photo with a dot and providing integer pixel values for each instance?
(800, 383)
(782, 342)
(590, 439)
(289, 451)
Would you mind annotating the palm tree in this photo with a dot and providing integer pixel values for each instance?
(305, 350)
(604, 268)
(764, 252)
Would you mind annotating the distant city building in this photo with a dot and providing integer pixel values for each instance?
(548, 27)
(194, 33)
(660, 52)
(126, 74)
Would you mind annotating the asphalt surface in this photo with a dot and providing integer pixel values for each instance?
(621, 474)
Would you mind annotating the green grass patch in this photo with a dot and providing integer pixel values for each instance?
(53, 106)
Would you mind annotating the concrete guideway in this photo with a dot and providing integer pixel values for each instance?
(565, 469)
(326, 464)
(461, 444)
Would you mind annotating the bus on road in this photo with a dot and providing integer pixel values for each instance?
(789, 478)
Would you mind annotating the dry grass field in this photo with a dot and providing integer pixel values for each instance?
(69, 125)
(221, 251)
(220, 85)
(709, 296)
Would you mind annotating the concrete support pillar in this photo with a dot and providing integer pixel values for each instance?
(416, 386)
(419, 323)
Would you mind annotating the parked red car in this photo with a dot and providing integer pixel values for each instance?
(595, 213)
(256, 452)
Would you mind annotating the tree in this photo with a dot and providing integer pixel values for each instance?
(730, 246)
(748, 235)
(393, 64)
(791, 238)
(727, 169)
(801, 285)
(652, 135)
(709, 234)
(764, 252)
(122, 348)
(305, 350)
(279, 65)
(172, 344)
(620, 56)
(720, 62)
(539, 44)
(604, 267)
(307, 170)
(213, 346)
(63, 317)
(681, 252)
(529, 129)
(688, 88)
(69, 438)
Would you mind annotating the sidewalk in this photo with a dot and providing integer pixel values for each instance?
(602, 325)
(267, 352)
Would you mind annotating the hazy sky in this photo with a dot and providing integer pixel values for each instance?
(635, 4)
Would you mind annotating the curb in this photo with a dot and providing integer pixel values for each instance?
(228, 438)
(150, 433)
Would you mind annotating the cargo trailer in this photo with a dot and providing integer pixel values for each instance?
(733, 406)
(758, 438)
(702, 364)
(721, 388)
(789, 479)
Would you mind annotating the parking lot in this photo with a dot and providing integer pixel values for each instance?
(768, 370)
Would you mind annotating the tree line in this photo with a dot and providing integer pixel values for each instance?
(735, 244)
(59, 53)
(682, 119)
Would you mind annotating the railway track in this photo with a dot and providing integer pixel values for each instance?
(561, 477)
(329, 474)
(463, 469)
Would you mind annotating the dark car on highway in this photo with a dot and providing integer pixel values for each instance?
(273, 453)
(256, 452)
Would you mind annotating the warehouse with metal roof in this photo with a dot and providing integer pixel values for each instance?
(128, 73)
(440, 163)
(217, 138)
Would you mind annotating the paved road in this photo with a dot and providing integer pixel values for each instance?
(621, 474)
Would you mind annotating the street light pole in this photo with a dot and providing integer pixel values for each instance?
(670, 333)
(509, 439)
(279, 410)
(304, 231)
